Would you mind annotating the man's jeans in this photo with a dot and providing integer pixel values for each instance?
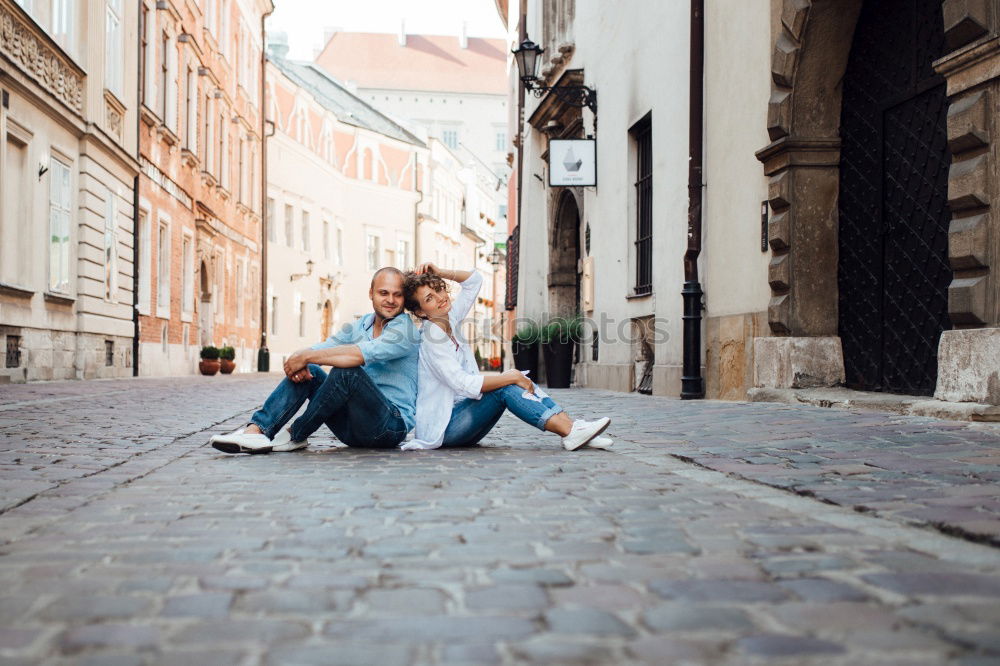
(346, 400)
(472, 419)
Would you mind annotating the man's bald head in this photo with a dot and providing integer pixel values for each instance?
(391, 270)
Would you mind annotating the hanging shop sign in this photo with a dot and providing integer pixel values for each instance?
(572, 162)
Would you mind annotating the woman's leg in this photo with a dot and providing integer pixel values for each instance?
(472, 419)
(541, 412)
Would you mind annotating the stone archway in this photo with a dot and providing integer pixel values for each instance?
(811, 49)
(564, 255)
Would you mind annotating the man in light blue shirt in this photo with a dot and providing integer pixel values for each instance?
(367, 399)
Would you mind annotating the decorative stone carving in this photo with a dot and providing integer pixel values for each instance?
(777, 272)
(964, 21)
(968, 127)
(40, 58)
(967, 301)
(968, 183)
(967, 242)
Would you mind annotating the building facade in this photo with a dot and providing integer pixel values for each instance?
(199, 223)
(453, 86)
(344, 184)
(814, 271)
(68, 121)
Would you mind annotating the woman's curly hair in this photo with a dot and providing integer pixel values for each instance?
(413, 281)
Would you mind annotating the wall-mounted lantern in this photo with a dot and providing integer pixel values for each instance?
(527, 58)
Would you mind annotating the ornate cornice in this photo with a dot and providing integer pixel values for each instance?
(30, 49)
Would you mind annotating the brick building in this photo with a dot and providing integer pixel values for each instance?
(199, 221)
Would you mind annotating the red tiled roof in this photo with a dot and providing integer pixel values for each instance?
(427, 62)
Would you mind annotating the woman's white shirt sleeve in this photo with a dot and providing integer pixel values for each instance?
(466, 298)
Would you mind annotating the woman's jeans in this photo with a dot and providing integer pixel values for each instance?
(472, 419)
(346, 400)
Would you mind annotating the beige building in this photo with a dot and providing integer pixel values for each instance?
(68, 81)
(814, 272)
(344, 186)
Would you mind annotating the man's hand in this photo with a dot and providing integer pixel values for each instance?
(297, 366)
(520, 380)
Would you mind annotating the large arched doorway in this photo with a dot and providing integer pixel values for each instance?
(564, 256)
(206, 316)
(893, 270)
(327, 320)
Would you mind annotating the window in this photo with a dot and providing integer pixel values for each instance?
(164, 74)
(64, 24)
(111, 247)
(302, 318)
(340, 247)
(326, 239)
(274, 315)
(146, 32)
(289, 224)
(16, 206)
(642, 136)
(114, 54)
(211, 20)
(254, 301)
(402, 253)
(191, 111)
(241, 164)
(450, 138)
(224, 36)
(240, 296)
(59, 215)
(224, 149)
(145, 280)
(208, 158)
(109, 352)
(187, 275)
(163, 270)
(272, 233)
(501, 141)
(373, 252)
(305, 231)
(13, 351)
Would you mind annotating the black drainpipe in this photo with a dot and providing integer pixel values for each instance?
(135, 272)
(692, 383)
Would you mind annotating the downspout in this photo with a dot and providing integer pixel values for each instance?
(263, 355)
(416, 209)
(692, 383)
(136, 251)
(522, 35)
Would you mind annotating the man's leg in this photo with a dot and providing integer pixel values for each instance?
(354, 408)
(285, 401)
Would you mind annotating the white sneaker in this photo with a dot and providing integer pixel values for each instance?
(583, 432)
(241, 441)
(283, 442)
(601, 442)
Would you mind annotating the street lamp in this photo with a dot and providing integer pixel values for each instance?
(527, 58)
(309, 271)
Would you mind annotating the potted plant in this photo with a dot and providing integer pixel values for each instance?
(226, 356)
(524, 346)
(495, 363)
(209, 364)
(558, 338)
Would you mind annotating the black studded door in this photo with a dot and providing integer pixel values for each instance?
(893, 271)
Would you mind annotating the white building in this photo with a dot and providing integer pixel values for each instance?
(68, 81)
(344, 182)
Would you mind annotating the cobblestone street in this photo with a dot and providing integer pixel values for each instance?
(712, 533)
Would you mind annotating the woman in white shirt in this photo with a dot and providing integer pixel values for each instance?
(456, 405)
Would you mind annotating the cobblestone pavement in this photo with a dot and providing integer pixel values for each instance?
(124, 539)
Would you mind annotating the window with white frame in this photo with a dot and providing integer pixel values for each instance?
(254, 291)
(374, 252)
(171, 90)
(145, 263)
(302, 318)
(501, 140)
(340, 246)
(114, 54)
(224, 28)
(220, 287)
(147, 56)
(274, 315)
(163, 269)
(211, 16)
(224, 148)
(402, 253)
(326, 240)
(64, 24)
(208, 155)
(289, 225)
(305, 230)
(59, 227)
(241, 165)
(164, 74)
(191, 110)
(272, 224)
(187, 275)
(449, 137)
(111, 247)
(240, 296)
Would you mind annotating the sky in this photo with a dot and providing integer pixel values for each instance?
(306, 21)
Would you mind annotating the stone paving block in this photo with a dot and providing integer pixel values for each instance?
(208, 604)
(719, 590)
(88, 607)
(555, 650)
(239, 632)
(548, 577)
(687, 617)
(820, 589)
(106, 659)
(587, 621)
(406, 601)
(938, 584)
(777, 646)
(603, 597)
(510, 597)
(339, 654)
(12, 639)
(192, 657)
(432, 629)
(109, 635)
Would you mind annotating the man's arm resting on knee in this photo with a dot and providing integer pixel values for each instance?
(341, 356)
